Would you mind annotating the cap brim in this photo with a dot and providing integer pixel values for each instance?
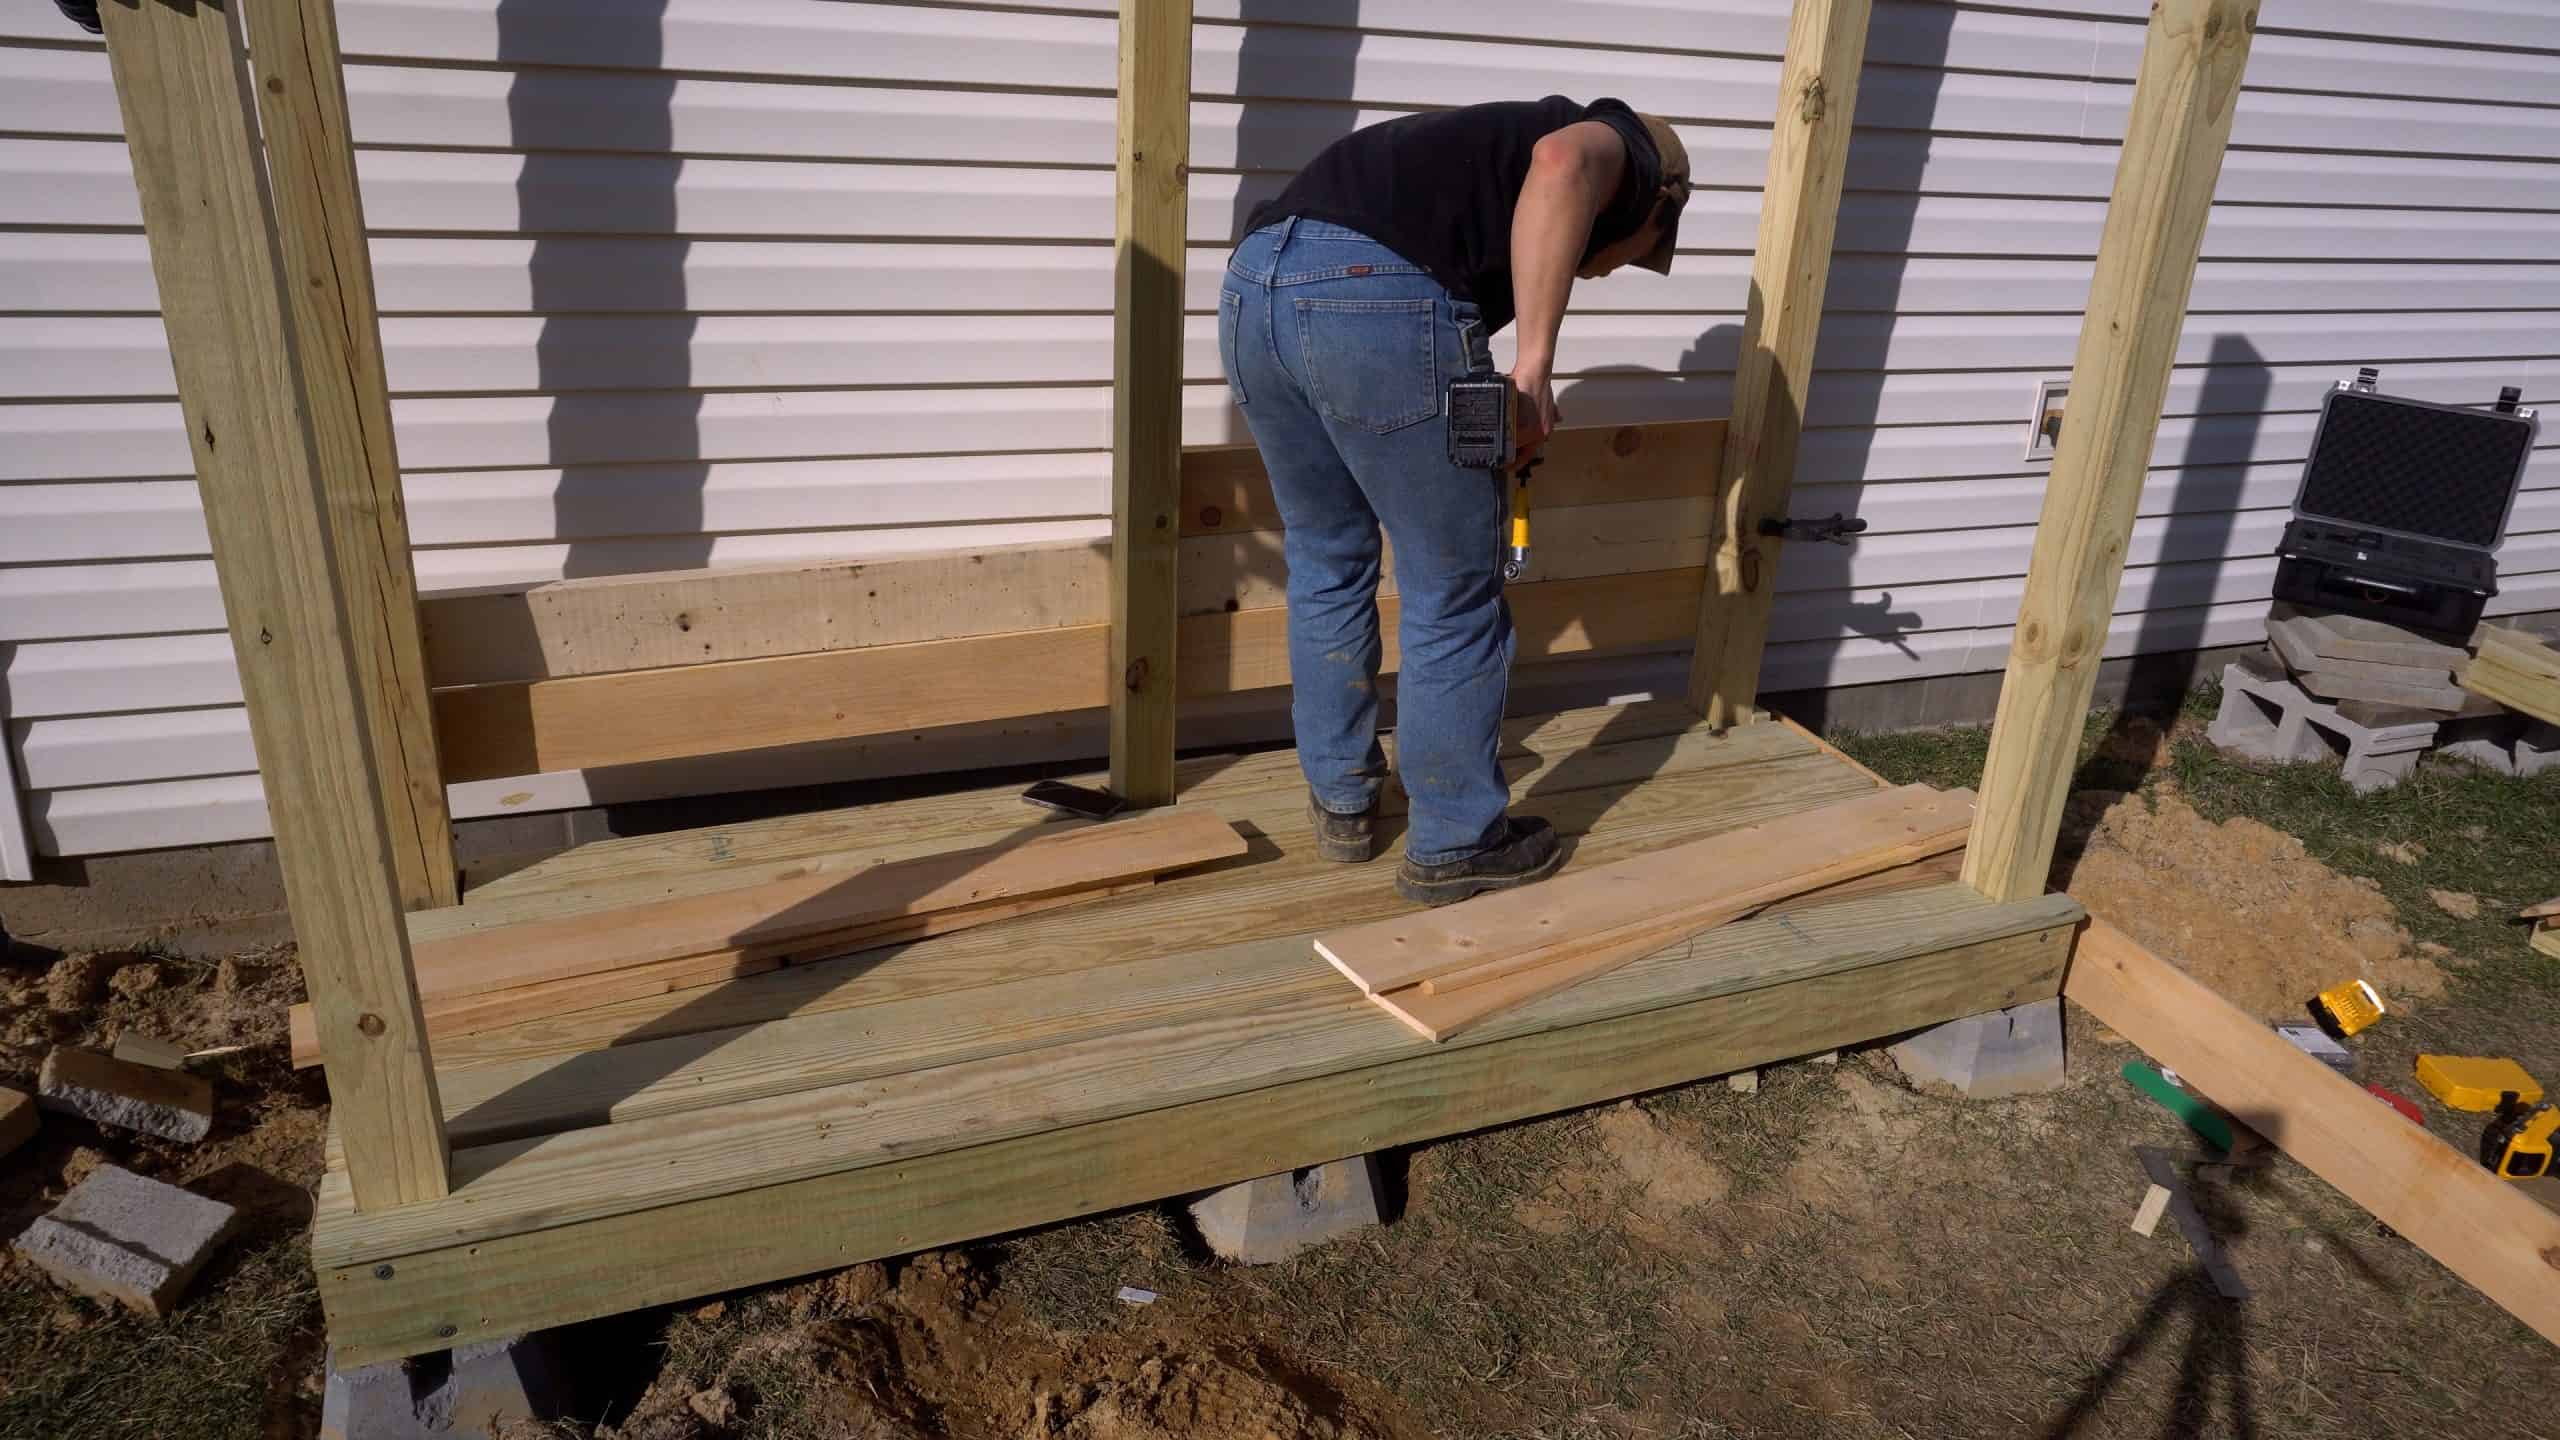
(1659, 259)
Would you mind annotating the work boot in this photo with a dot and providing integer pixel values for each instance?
(1528, 851)
(1349, 839)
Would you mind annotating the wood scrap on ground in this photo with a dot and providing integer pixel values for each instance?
(2515, 669)
(2546, 926)
(489, 978)
(2482, 1228)
(1443, 970)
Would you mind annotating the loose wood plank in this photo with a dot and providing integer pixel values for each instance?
(2183, 99)
(451, 1018)
(2516, 670)
(1510, 930)
(1790, 267)
(182, 85)
(764, 917)
(2482, 1228)
(437, 1297)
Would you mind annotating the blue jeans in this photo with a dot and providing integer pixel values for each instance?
(1339, 352)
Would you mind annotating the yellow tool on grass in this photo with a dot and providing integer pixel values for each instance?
(2346, 1007)
(2473, 1082)
(2518, 1142)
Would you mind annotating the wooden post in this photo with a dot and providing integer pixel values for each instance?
(329, 283)
(2182, 104)
(1799, 209)
(1146, 378)
(183, 85)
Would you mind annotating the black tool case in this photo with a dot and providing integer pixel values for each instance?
(2402, 505)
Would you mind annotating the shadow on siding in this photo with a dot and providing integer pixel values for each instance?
(608, 283)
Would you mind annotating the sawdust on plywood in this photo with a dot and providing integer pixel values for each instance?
(2239, 905)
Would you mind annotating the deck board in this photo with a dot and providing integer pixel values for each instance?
(1626, 797)
(1323, 1027)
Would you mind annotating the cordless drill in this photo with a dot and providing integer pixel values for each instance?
(1481, 438)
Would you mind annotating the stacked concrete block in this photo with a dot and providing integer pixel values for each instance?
(2265, 715)
(123, 1237)
(106, 1091)
(2344, 657)
(1991, 1056)
(467, 1393)
(2507, 744)
(1261, 1222)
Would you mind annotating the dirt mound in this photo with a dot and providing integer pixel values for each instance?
(1183, 1395)
(2241, 906)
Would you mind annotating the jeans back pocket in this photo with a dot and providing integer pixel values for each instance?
(1371, 364)
(1230, 320)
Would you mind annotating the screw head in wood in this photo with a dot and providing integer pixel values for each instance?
(381, 1272)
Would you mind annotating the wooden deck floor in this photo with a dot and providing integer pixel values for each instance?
(1102, 1055)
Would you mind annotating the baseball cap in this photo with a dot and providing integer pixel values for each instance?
(1675, 173)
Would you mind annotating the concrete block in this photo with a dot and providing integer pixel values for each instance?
(1992, 1056)
(2355, 637)
(123, 1237)
(100, 1088)
(2413, 689)
(1743, 1082)
(18, 1122)
(137, 1048)
(468, 1392)
(1263, 1221)
(2265, 715)
(2506, 743)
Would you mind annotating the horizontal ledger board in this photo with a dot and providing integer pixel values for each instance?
(599, 720)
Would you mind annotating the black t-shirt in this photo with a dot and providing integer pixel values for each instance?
(1439, 189)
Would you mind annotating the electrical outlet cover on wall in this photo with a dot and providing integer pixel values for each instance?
(2050, 395)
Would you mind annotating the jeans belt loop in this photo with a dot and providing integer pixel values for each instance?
(1288, 227)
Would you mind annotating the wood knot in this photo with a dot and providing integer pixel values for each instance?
(2551, 1257)
(275, 84)
(370, 1025)
(266, 636)
(1211, 517)
(1626, 441)
(1813, 102)
(1135, 679)
(684, 621)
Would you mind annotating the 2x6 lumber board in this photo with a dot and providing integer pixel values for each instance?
(1799, 210)
(1249, 569)
(2525, 694)
(2183, 99)
(648, 865)
(183, 87)
(604, 624)
(455, 1294)
(2482, 1228)
(1226, 490)
(784, 911)
(1512, 930)
(587, 1174)
(1185, 913)
(311, 168)
(1622, 478)
(596, 721)
(1154, 192)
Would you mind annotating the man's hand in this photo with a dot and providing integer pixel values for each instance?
(1533, 410)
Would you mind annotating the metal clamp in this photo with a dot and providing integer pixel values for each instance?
(1835, 528)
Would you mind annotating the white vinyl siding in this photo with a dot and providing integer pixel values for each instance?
(726, 281)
